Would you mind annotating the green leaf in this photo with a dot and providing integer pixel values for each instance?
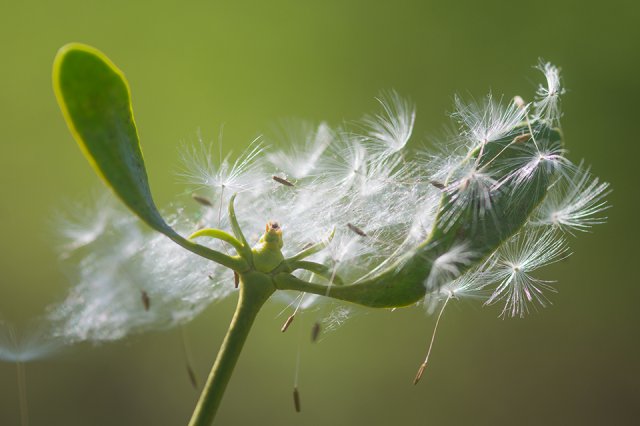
(96, 103)
(95, 100)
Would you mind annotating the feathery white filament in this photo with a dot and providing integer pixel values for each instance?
(574, 203)
(393, 127)
(511, 268)
(547, 104)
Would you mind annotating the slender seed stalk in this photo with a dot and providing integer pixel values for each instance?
(22, 390)
(423, 366)
(255, 290)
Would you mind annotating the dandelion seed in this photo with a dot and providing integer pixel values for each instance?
(288, 322)
(33, 345)
(201, 169)
(469, 285)
(282, 181)
(470, 190)
(303, 160)
(487, 121)
(296, 399)
(531, 161)
(315, 332)
(357, 230)
(192, 376)
(449, 265)
(547, 104)
(574, 203)
(392, 129)
(522, 138)
(511, 269)
(146, 301)
(188, 358)
(437, 184)
(300, 305)
(203, 201)
(423, 366)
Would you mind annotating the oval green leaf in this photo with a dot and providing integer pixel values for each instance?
(95, 100)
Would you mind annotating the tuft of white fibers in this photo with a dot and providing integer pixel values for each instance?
(574, 203)
(469, 285)
(471, 188)
(130, 279)
(487, 121)
(511, 266)
(449, 265)
(547, 103)
(392, 128)
(302, 158)
(543, 156)
(336, 318)
(31, 344)
(206, 170)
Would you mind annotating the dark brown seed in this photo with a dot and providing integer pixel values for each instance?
(420, 373)
(296, 399)
(315, 332)
(202, 200)
(282, 181)
(236, 279)
(356, 230)
(192, 377)
(146, 301)
(287, 323)
(522, 138)
(437, 184)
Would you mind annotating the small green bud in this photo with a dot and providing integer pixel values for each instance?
(266, 254)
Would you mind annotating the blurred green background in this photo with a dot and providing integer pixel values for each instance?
(196, 65)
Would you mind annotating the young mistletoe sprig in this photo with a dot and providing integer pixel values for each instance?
(364, 223)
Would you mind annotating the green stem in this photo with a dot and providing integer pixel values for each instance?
(255, 290)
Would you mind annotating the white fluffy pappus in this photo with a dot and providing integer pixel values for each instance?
(575, 202)
(511, 268)
(27, 345)
(547, 103)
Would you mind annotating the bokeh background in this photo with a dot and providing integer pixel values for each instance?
(195, 65)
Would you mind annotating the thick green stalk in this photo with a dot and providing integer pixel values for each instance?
(255, 290)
